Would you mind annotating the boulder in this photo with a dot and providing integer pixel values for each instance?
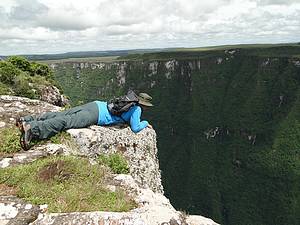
(52, 95)
(15, 211)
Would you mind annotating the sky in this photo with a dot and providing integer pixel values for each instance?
(58, 26)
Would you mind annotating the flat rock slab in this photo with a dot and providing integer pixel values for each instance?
(13, 106)
(15, 211)
(37, 152)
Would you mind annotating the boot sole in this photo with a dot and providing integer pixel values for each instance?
(19, 124)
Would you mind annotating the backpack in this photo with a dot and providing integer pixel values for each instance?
(122, 104)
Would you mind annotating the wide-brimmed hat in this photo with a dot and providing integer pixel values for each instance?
(144, 99)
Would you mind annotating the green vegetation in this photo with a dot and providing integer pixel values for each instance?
(115, 162)
(227, 126)
(66, 184)
(244, 46)
(87, 84)
(4, 89)
(9, 140)
(20, 77)
(62, 137)
(276, 50)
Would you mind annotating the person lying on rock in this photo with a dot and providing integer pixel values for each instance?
(125, 109)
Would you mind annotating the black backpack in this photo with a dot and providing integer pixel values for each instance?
(122, 104)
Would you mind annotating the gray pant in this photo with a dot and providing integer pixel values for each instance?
(48, 124)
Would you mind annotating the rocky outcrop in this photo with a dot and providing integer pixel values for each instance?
(139, 149)
(52, 95)
(15, 211)
(13, 106)
(143, 184)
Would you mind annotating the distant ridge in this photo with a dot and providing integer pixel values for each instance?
(87, 54)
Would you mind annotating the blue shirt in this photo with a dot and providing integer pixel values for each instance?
(132, 116)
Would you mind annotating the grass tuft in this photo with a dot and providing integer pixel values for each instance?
(9, 140)
(116, 162)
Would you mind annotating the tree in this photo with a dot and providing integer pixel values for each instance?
(40, 69)
(20, 62)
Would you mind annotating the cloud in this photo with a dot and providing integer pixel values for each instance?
(277, 2)
(27, 10)
(60, 26)
(64, 21)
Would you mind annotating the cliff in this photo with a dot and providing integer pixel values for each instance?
(142, 184)
(227, 124)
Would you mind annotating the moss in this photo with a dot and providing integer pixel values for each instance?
(66, 184)
(116, 162)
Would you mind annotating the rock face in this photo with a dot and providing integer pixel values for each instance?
(143, 184)
(139, 149)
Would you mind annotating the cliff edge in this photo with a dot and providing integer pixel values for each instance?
(142, 184)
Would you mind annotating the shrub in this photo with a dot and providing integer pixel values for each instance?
(22, 87)
(23, 78)
(8, 72)
(116, 162)
(4, 89)
(40, 69)
(20, 62)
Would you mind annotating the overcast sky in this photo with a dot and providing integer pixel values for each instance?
(56, 26)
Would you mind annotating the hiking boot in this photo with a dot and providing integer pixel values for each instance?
(26, 136)
(19, 121)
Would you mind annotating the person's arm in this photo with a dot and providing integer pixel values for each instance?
(135, 121)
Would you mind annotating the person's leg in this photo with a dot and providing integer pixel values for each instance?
(41, 116)
(29, 118)
(50, 115)
(34, 117)
(81, 117)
